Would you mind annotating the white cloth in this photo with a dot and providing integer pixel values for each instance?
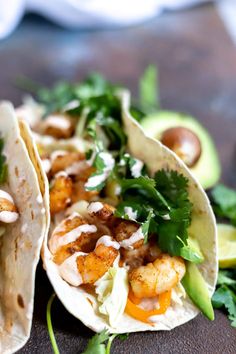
(86, 13)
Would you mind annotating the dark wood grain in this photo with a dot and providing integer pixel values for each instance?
(197, 64)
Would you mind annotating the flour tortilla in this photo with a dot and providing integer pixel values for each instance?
(203, 228)
(21, 243)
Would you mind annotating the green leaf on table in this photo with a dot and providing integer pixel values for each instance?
(224, 202)
(226, 298)
(96, 345)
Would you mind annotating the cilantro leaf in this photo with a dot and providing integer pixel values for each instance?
(146, 225)
(174, 187)
(225, 294)
(133, 206)
(224, 202)
(163, 208)
(227, 277)
(173, 233)
(191, 253)
(148, 89)
(104, 164)
(96, 343)
(146, 187)
(224, 297)
(3, 165)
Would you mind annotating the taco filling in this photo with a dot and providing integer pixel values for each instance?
(123, 230)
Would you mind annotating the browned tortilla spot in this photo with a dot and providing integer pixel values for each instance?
(16, 172)
(20, 301)
(32, 215)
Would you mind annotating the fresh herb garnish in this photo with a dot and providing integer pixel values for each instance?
(224, 202)
(163, 207)
(101, 343)
(49, 324)
(93, 98)
(148, 89)
(225, 294)
(3, 165)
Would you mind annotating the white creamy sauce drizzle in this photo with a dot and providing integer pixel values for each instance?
(76, 168)
(136, 169)
(108, 242)
(46, 165)
(148, 304)
(132, 214)
(8, 216)
(57, 121)
(39, 199)
(57, 153)
(94, 207)
(109, 162)
(166, 217)
(95, 181)
(117, 190)
(5, 195)
(135, 237)
(61, 174)
(71, 105)
(43, 211)
(71, 236)
(69, 270)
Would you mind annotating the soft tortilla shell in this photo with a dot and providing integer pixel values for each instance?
(21, 243)
(203, 228)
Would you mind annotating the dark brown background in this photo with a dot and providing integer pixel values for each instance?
(197, 63)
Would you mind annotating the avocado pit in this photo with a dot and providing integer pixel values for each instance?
(184, 143)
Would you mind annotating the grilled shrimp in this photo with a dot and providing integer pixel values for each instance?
(128, 233)
(60, 193)
(62, 160)
(94, 265)
(82, 268)
(8, 211)
(79, 192)
(135, 258)
(157, 277)
(101, 211)
(60, 126)
(72, 235)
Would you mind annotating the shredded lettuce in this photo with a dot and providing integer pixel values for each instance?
(112, 290)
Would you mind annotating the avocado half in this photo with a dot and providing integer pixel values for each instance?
(207, 169)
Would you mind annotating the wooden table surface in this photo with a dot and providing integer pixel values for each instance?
(197, 64)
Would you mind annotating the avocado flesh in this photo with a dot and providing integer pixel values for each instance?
(197, 290)
(207, 169)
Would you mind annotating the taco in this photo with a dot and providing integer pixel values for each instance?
(132, 242)
(23, 224)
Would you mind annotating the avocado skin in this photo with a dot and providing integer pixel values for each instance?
(156, 123)
(196, 288)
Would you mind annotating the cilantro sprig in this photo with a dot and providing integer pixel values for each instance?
(225, 294)
(49, 324)
(163, 208)
(100, 343)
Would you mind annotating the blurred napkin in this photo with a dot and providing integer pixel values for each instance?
(86, 13)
